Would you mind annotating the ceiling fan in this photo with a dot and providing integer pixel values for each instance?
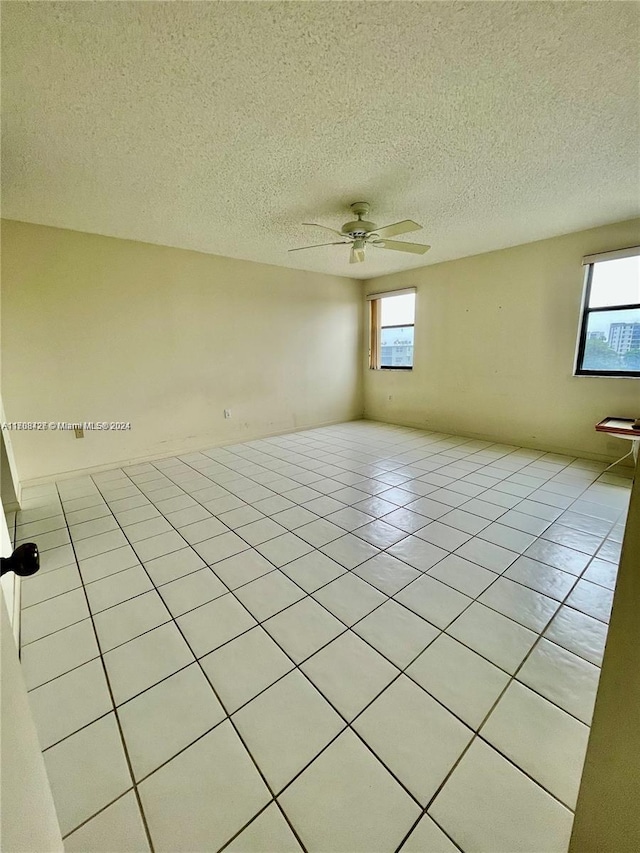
(361, 233)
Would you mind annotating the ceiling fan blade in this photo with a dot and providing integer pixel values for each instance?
(400, 246)
(326, 228)
(356, 256)
(317, 245)
(396, 228)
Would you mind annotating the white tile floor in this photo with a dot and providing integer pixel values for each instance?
(356, 638)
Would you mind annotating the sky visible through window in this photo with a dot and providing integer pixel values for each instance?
(614, 282)
(398, 310)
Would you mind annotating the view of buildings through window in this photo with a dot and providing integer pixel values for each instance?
(610, 339)
(396, 330)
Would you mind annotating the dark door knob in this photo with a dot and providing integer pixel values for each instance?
(24, 561)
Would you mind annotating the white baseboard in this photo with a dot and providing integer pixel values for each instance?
(542, 446)
(96, 469)
(109, 466)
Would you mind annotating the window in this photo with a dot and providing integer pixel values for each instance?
(609, 342)
(392, 326)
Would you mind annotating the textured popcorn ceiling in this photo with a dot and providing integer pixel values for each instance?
(221, 126)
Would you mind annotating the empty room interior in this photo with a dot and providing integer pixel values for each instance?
(320, 417)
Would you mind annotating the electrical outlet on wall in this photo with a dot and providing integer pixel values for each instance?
(79, 432)
(227, 414)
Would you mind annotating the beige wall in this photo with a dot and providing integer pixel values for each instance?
(7, 490)
(28, 820)
(494, 352)
(101, 329)
(10, 582)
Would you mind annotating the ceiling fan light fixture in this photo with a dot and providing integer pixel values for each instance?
(357, 251)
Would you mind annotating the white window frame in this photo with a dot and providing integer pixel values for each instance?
(589, 261)
(375, 350)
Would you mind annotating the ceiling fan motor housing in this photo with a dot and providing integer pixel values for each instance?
(359, 227)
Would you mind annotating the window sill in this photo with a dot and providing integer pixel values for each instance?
(594, 375)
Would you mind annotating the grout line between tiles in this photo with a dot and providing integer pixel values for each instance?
(349, 722)
(117, 719)
(353, 570)
(478, 731)
(228, 717)
(95, 814)
(422, 572)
